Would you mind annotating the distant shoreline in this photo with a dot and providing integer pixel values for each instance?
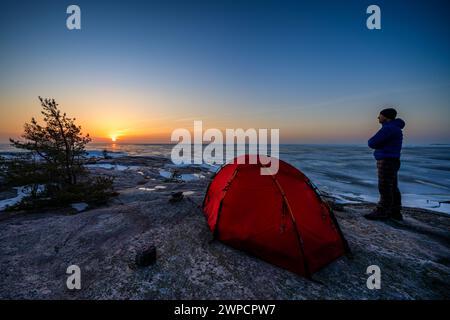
(408, 145)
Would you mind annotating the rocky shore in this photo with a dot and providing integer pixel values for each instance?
(36, 248)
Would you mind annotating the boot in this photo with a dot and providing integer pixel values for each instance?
(377, 215)
(396, 215)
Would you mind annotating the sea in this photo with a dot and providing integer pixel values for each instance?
(347, 172)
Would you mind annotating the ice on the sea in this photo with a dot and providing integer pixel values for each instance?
(209, 167)
(346, 198)
(408, 200)
(152, 189)
(415, 201)
(146, 189)
(192, 176)
(184, 176)
(165, 174)
(108, 166)
(348, 172)
(99, 154)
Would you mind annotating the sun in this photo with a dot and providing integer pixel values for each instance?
(113, 138)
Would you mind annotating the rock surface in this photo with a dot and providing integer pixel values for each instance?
(37, 248)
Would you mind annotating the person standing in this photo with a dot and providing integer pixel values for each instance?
(387, 143)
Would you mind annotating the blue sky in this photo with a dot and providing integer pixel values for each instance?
(310, 68)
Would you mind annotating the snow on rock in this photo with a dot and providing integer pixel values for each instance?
(79, 206)
(22, 192)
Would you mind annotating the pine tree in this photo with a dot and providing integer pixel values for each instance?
(53, 163)
(60, 142)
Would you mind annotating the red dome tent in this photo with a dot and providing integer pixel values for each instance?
(280, 218)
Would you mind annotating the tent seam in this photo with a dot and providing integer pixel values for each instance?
(227, 187)
(297, 232)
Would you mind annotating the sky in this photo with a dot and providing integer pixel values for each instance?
(137, 70)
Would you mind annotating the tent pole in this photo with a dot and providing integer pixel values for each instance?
(209, 184)
(297, 232)
(227, 186)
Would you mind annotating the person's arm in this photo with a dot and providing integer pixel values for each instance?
(379, 139)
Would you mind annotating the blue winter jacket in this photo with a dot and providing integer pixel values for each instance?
(387, 142)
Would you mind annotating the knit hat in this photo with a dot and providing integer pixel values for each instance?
(389, 113)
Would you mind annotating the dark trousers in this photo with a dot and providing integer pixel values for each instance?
(390, 196)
